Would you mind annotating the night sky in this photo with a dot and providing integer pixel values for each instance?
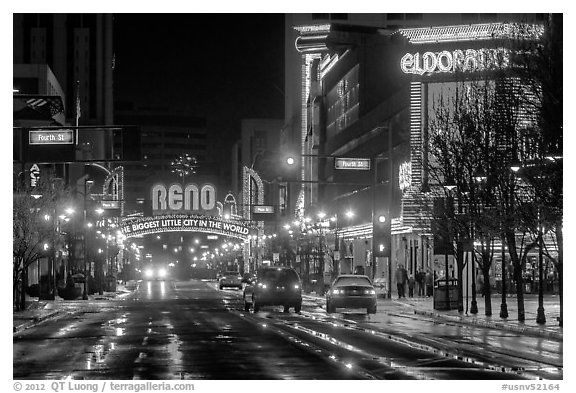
(224, 67)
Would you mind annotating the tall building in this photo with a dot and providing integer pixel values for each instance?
(165, 135)
(77, 48)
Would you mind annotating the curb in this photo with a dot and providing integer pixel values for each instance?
(36, 321)
(495, 325)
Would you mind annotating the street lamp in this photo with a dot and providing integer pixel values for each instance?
(87, 185)
(540, 315)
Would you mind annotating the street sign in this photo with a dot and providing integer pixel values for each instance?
(51, 137)
(263, 209)
(106, 205)
(362, 164)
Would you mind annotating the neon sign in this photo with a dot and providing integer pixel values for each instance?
(182, 222)
(469, 60)
(190, 198)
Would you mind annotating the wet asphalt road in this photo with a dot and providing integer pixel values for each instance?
(191, 330)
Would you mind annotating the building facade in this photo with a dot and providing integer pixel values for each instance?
(349, 94)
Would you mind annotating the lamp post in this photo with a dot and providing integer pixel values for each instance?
(448, 209)
(87, 185)
(540, 315)
(503, 305)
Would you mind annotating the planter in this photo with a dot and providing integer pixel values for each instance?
(70, 293)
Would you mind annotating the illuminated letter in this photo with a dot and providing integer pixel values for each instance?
(191, 196)
(482, 57)
(445, 61)
(407, 63)
(471, 61)
(458, 60)
(159, 197)
(208, 197)
(429, 62)
(417, 68)
(175, 197)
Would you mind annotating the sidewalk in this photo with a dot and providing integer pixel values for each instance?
(425, 306)
(38, 311)
(551, 329)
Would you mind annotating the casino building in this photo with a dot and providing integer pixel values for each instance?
(369, 92)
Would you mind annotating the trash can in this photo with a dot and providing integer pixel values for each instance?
(381, 287)
(446, 294)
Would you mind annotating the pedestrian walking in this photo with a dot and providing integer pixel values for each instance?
(411, 284)
(429, 281)
(401, 276)
(420, 276)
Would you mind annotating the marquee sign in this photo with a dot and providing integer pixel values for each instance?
(469, 60)
(182, 222)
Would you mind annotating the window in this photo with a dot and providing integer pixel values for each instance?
(363, 281)
(320, 16)
(469, 17)
(488, 17)
(342, 102)
(260, 140)
(339, 16)
(414, 16)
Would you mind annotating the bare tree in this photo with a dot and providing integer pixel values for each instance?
(32, 231)
(462, 146)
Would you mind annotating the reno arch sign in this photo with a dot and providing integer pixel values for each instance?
(469, 60)
(177, 198)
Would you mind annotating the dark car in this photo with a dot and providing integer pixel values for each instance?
(351, 291)
(274, 286)
(230, 279)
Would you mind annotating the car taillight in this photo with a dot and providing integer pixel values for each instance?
(369, 292)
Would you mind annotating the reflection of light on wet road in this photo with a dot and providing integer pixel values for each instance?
(162, 289)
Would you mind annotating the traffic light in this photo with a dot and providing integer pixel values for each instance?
(381, 232)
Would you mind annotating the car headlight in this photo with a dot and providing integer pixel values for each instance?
(370, 292)
(162, 272)
(335, 291)
(148, 273)
(296, 286)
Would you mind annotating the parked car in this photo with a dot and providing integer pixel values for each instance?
(351, 291)
(131, 285)
(230, 279)
(274, 286)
